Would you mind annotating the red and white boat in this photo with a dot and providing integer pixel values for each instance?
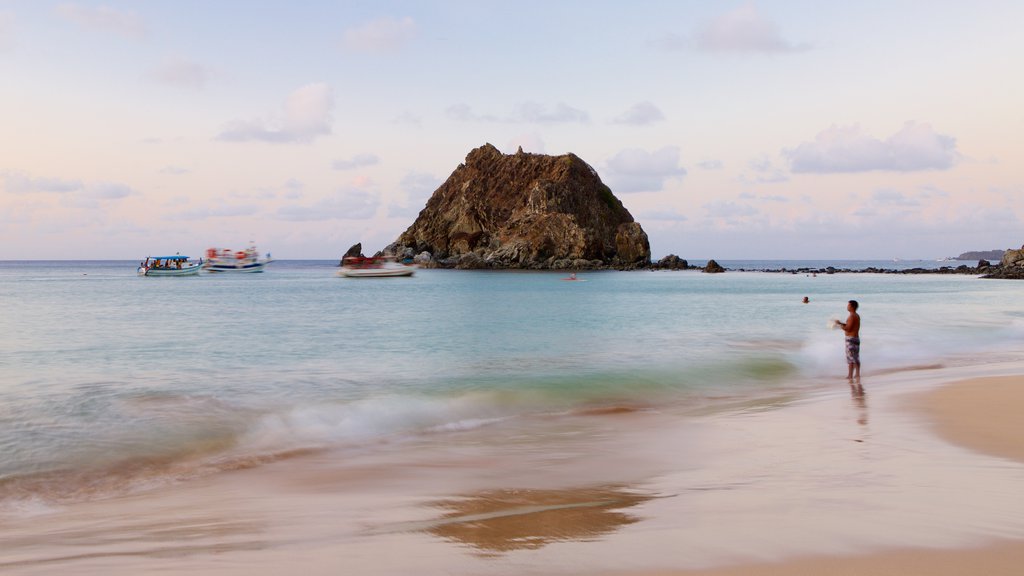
(224, 260)
(374, 267)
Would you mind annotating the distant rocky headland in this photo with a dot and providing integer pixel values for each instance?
(982, 255)
(524, 211)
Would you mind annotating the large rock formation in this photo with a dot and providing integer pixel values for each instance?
(1011, 266)
(524, 211)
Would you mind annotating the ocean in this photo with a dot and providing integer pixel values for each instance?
(119, 388)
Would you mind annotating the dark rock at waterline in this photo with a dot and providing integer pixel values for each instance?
(1011, 266)
(524, 211)
(713, 267)
(356, 251)
(671, 262)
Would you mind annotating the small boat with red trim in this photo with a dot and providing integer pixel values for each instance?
(225, 260)
(374, 267)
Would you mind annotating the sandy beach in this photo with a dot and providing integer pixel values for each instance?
(911, 478)
(982, 414)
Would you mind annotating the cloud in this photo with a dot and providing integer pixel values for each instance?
(181, 73)
(711, 165)
(307, 115)
(523, 113)
(108, 191)
(847, 149)
(534, 113)
(345, 205)
(357, 161)
(669, 215)
(893, 198)
(640, 114)
(464, 113)
(418, 187)
(22, 183)
(728, 210)
(174, 170)
(636, 170)
(104, 19)
(743, 30)
(220, 210)
(383, 35)
(765, 172)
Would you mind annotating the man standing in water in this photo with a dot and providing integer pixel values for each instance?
(852, 330)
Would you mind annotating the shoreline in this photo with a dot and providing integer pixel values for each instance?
(832, 483)
(980, 414)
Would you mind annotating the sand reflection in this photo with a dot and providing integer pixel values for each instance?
(499, 521)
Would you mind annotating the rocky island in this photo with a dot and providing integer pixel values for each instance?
(524, 211)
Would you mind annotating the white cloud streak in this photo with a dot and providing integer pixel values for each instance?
(847, 149)
(357, 161)
(743, 30)
(23, 183)
(345, 205)
(307, 115)
(640, 114)
(636, 170)
(108, 191)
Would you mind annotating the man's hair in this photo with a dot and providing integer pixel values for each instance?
(854, 304)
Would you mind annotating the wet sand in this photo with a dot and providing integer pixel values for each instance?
(981, 414)
(839, 483)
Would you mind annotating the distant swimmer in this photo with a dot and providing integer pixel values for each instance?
(807, 300)
(851, 328)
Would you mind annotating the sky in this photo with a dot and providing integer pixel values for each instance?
(729, 130)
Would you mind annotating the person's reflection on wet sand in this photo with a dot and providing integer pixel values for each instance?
(860, 402)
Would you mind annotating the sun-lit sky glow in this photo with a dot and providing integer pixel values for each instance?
(771, 129)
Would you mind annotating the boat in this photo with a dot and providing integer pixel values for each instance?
(373, 267)
(225, 260)
(176, 265)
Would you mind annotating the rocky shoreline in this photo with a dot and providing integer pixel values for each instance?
(1008, 269)
(1011, 268)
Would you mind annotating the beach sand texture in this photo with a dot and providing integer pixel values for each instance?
(983, 414)
(842, 484)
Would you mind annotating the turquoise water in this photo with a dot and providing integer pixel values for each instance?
(106, 377)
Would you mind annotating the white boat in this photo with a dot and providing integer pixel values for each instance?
(224, 260)
(176, 265)
(380, 267)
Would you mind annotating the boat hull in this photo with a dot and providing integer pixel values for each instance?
(190, 270)
(250, 267)
(376, 272)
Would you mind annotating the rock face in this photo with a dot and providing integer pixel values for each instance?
(524, 210)
(713, 267)
(1011, 267)
(356, 251)
(671, 262)
(1013, 258)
